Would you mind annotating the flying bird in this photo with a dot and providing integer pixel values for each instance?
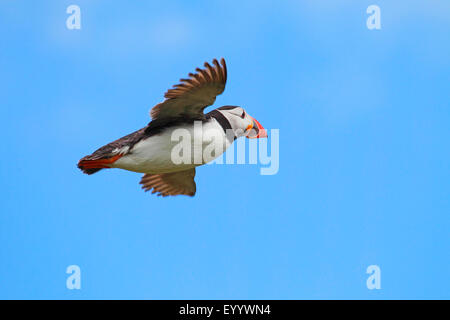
(150, 150)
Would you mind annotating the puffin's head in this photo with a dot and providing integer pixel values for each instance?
(242, 123)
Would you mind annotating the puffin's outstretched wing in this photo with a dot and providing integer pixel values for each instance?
(170, 184)
(188, 98)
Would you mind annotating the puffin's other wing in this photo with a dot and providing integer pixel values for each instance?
(170, 184)
(188, 98)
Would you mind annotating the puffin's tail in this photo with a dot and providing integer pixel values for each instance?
(91, 164)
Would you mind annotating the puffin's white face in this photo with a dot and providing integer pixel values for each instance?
(242, 123)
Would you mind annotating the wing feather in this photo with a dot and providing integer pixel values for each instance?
(170, 184)
(192, 95)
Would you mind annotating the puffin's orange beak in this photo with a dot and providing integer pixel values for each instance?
(257, 130)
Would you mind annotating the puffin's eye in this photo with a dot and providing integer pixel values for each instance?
(243, 115)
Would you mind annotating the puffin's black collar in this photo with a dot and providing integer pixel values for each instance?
(222, 120)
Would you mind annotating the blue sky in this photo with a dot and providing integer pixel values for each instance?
(364, 154)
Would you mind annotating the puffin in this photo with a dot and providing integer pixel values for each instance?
(150, 150)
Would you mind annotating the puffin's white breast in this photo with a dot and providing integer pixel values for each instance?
(176, 148)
